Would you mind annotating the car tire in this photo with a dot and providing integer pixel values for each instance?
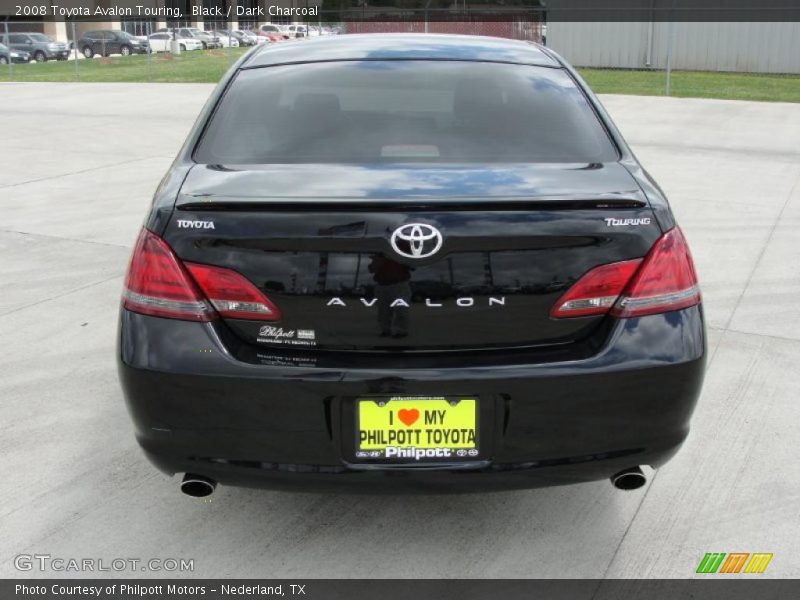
(125, 50)
(87, 52)
(3, 60)
(40, 56)
(182, 47)
(205, 46)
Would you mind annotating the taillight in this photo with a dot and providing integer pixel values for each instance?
(157, 284)
(666, 280)
(232, 295)
(596, 291)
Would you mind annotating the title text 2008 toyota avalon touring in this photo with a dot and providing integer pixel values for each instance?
(406, 262)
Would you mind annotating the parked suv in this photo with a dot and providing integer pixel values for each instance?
(108, 41)
(38, 45)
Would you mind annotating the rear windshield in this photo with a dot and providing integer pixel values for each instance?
(403, 111)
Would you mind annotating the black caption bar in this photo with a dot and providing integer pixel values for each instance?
(338, 11)
(396, 589)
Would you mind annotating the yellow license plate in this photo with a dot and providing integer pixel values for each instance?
(409, 429)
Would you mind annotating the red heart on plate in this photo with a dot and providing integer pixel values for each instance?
(408, 416)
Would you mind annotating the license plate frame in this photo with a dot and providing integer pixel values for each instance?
(445, 429)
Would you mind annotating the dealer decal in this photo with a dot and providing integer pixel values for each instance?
(269, 334)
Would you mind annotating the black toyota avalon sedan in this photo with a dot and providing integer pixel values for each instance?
(409, 262)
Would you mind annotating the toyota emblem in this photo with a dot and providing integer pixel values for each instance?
(416, 240)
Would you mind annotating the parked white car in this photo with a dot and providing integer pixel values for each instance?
(273, 28)
(162, 42)
(227, 39)
(296, 31)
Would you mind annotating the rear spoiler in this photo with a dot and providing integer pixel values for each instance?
(391, 205)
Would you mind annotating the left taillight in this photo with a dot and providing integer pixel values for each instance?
(158, 285)
(232, 295)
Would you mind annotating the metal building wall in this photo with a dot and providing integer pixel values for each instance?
(622, 45)
(741, 47)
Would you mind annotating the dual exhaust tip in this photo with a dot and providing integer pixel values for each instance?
(198, 486)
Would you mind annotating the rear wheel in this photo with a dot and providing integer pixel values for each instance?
(3, 60)
(125, 51)
(87, 51)
(183, 47)
(40, 56)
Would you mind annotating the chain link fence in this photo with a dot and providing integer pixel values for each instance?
(128, 51)
(739, 60)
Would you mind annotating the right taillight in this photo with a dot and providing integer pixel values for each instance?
(665, 281)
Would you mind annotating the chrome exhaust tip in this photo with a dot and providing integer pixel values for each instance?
(629, 479)
(197, 486)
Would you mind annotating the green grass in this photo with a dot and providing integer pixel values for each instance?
(208, 66)
(696, 84)
(197, 66)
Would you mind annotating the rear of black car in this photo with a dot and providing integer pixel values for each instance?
(397, 271)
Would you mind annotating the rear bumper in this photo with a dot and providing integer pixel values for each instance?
(278, 424)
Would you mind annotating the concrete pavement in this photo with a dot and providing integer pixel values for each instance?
(79, 163)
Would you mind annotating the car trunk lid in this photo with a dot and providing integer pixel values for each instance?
(318, 241)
